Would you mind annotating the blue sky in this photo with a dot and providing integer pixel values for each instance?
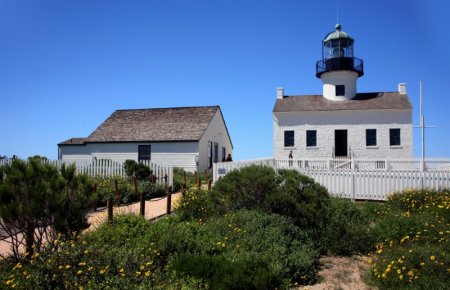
(65, 66)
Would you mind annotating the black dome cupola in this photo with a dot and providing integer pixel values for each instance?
(337, 54)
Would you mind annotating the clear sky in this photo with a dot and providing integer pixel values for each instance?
(65, 66)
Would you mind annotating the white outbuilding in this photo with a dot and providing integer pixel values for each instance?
(342, 122)
(192, 138)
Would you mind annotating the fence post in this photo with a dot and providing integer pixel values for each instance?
(353, 184)
(110, 209)
(209, 184)
(94, 205)
(196, 177)
(140, 196)
(117, 190)
(185, 182)
(206, 176)
(169, 200)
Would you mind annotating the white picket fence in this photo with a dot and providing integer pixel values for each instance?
(107, 168)
(359, 179)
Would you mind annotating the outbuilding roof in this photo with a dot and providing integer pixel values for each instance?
(156, 125)
(363, 101)
(73, 141)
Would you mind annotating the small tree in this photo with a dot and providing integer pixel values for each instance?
(37, 201)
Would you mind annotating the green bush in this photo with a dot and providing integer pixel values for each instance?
(299, 198)
(194, 204)
(151, 190)
(264, 251)
(139, 170)
(245, 188)
(247, 272)
(286, 193)
(346, 229)
(413, 241)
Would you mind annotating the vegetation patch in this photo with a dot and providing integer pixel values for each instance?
(256, 229)
(413, 241)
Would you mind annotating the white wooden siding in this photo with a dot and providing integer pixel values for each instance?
(177, 154)
(216, 133)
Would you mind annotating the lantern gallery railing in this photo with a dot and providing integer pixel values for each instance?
(340, 63)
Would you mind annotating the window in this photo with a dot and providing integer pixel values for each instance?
(288, 138)
(311, 138)
(144, 152)
(216, 152)
(224, 154)
(394, 137)
(371, 137)
(340, 90)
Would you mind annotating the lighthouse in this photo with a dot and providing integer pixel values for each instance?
(339, 69)
(342, 122)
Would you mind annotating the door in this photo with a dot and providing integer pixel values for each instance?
(210, 154)
(340, 143)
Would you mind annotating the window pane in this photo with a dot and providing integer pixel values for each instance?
(144, 152)
(340, 90)
(371, 137)
(394, 137)
(288, 138)
(311, 138)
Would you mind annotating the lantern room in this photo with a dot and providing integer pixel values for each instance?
(337, 54)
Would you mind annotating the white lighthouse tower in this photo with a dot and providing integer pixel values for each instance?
(339, 69)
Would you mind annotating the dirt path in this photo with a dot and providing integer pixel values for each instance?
(153, 208)
(343, 273)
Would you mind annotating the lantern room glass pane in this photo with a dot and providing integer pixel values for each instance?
(338, 48)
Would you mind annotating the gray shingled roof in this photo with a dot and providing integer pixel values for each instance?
(73, 141)
(364, 101)
(167, 124)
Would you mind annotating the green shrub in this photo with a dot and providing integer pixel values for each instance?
(247, 272)
(139, 170)
(245, 188)
(299, 198)
(194, 204)
(345, 229)
(151, 190)
(413, 243)
(249, 250)
(285, 249)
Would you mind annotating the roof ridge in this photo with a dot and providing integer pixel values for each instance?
(169, 108)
